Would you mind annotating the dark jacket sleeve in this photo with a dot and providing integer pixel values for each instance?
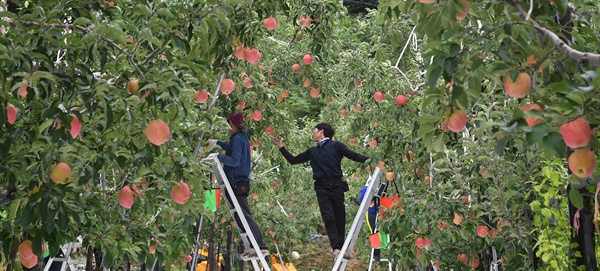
(301, 158)
(350, 154)
(234, 159)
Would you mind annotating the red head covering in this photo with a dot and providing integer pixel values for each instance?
(236, 119)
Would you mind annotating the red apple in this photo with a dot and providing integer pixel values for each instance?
(75, 127)
(420, 242)
(201, 96)
(239, 52)
(252, 55)
(389, 175)
(296, 67)
(29, 262)
(23, 91)
(307, 59)
(461, 15)
(248, 82)
(582, 162)
(270, 23)
(306, 83)
(11, 112)
(482, 231)
(462, 258)
(256, 115)
(532, 120)
(457, 121)
(457, 219)
(373, 143)
(25, 249)
(158, 132)
(60, 173)
(227, 86)
(352, 141)
(133, 86)
(576, 133)
(378, 96)
(305, 21)
(268, 130)
(314, 92)
(400, 100)
(520, 87)
(474, 263)
(126, 197)
(180, 193)
(344, 112)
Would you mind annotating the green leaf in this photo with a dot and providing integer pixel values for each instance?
(555, 142)
(45, 125)
(576, 198)
(109, 257)
(434, 75)
(424, 119)
(501, 145)
(537, 133)
(546, 212)
(438, 144)
(14, 207)
(109, 114)
(454, 49)
(143, 171)
(42, 74)
(474, 88)
(143, 9)
(27, 215)
(82, 21)
(562, 6)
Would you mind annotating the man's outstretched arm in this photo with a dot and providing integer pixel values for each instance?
(301, 158)
(350, 154)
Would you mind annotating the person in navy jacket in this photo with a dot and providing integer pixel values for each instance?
(325, 159)
(236, 165)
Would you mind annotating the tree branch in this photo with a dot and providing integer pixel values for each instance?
(155, 52)
(585, 58)
(83, 29)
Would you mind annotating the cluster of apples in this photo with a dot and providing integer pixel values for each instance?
(576, 133)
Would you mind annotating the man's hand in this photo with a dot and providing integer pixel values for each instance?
(212, 155)
(212, 143)
(278, 142)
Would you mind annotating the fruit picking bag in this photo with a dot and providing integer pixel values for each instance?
(379, 240)
(213, 197)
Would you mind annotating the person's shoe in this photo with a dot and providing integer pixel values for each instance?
(336, 253)
(251, 254)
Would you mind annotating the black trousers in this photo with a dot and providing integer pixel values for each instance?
(241, 190)
(333, 213)
(372, 220)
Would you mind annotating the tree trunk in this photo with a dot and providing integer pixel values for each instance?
(13, 255)
(585, 237)
(89, 259)
(228, 256)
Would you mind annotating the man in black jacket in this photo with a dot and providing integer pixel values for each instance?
(325, 159)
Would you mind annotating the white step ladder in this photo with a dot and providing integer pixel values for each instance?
(234, 207)
(380, 261)
(372, 187)
(66, 261)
